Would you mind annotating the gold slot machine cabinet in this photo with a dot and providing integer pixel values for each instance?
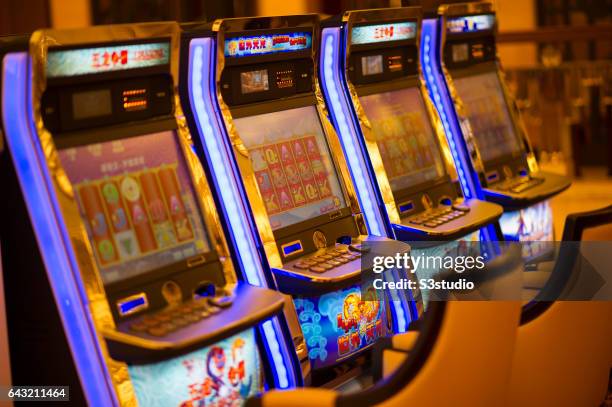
(251, 96)
(467, 80)
(128, 279)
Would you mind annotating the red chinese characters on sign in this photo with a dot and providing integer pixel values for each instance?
(280, 39)
(148, 55)
(290, 174)
(385, 32)
(254, 43)
(298, 41)
(284, 39)
(391, 32)
(109, 59)
(261, 43)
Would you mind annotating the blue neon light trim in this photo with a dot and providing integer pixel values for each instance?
(400, 319)
(211, 135)
(438, 90)
(281, 377)
(439, 94)
(226, 184)
(347, 130)
(53, 241)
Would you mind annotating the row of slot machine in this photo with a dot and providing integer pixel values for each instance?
(188, 207)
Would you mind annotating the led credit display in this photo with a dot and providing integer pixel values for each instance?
(368, 34)
(267, 44)
(468, 24)
(106, 59)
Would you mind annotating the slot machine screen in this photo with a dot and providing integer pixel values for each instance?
(340, 324)
(223, 374)
(292, 164)
(137, 201)
(488, 115)
(404, 136)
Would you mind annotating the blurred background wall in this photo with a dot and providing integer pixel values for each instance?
(556, 54)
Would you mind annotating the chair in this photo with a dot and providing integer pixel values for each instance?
(462, 356)
(564, 348)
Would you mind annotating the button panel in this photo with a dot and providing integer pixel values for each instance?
(435, 217)
(166, 321)
(327, 260)
(518, 185)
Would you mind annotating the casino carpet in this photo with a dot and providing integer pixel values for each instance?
(591, 191)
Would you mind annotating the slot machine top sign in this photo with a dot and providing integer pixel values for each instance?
(84, 61)
(368, 34)
(267, 44)
(470, 24)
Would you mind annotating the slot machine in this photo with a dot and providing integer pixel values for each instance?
(391, 135)
(117, 246)
(252, 102)
(465, 78)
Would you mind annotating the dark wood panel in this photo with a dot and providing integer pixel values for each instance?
(23, 16)
(601, 32)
